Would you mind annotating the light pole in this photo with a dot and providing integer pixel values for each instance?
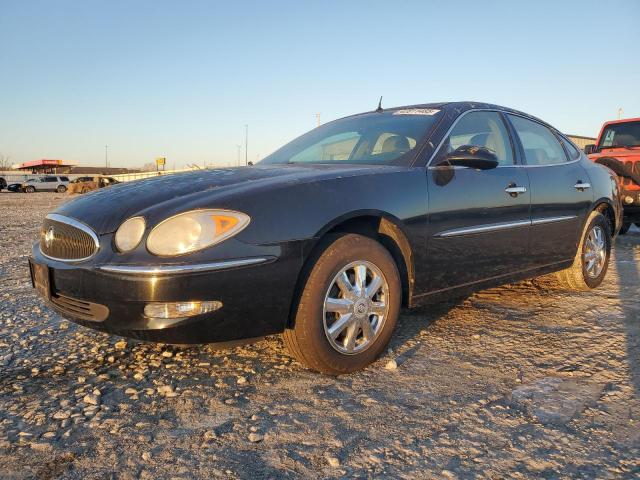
(239, 147)
(106, 156)
(246, 145)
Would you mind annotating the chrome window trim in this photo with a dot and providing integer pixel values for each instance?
(494, 227)
(178, 269)
(437, 149)
(80, 226)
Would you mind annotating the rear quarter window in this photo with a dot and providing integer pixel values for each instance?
(573, 152)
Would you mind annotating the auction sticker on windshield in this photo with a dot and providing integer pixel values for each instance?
(416, 111)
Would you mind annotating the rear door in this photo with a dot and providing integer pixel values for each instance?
(561, 195)
(49, 183)
(478, 219)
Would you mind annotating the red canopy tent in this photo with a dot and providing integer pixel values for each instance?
(42, 166)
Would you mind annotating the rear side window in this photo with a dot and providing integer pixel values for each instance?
(571, 150)
(541, 147)
(64, 179)
(49, 179)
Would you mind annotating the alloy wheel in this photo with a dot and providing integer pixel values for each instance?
(595, 252)
(355, 307)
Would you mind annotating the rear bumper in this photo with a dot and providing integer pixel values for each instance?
(255, 298)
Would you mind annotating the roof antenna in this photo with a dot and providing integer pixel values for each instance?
(379, 109)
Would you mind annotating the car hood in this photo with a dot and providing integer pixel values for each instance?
(105, 209)
(619, 153)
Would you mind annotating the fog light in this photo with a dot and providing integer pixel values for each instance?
(180, 309)
(628, 200)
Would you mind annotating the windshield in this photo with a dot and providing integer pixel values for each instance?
(621, 134)
(372, 138)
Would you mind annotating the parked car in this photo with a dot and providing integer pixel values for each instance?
(3, 183)
(46, 183)
(326, 238)
(88, 184)
(618, 147)
(14, 187)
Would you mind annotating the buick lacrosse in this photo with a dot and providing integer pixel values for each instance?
(327, 238)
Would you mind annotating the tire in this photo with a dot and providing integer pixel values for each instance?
(577, 277)
(625, 228)
(84, 190)
(61, 189)
(29, 189)
(308, 339)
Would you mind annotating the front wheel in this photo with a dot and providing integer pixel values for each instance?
(30, 189)
(348, 307)
(592, 259)
(61, 189)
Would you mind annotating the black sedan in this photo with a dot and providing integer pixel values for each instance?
(327, 238)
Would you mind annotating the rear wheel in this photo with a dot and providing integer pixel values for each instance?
(592, 259)
(348, 308)
(61, 189)
(29, 189)
(625, 228)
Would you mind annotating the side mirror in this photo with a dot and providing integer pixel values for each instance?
(471, 156)
(589, 149)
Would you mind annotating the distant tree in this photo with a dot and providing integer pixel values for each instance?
(149, 167)
(5, 162)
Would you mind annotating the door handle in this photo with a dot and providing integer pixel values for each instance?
(581, 186)
(514, 190)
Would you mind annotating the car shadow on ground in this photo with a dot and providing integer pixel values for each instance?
(627, 261)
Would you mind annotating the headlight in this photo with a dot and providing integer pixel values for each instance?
(129, 234)
(191, 231)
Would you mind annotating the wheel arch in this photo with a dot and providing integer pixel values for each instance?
(380, 226)
(605, 207)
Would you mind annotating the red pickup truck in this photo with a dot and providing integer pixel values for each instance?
(618, 147)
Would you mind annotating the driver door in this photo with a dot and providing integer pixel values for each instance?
(479, 220)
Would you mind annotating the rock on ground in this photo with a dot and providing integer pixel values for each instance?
(522, 381)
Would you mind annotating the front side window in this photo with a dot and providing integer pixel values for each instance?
(479, 129)
(380, 138)
(541, 147)
(621, 135)
(64, 179)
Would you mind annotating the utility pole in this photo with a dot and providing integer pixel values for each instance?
(106, 156)
(620, 113)
(246, 144)
(317, 115)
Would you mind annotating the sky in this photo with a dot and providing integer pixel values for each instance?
(181, 79)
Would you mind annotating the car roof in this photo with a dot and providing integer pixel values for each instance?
(460, 107)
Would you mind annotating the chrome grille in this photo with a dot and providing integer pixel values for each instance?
(63, 238)
(632, 167)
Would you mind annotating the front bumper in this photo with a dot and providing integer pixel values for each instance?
(256, 297)
(631, 211)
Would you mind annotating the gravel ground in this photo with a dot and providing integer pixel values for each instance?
(521, 381)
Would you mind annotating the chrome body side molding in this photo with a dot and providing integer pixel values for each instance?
(540, 221)
(182, 269)
(483, 228)
(494, 227)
